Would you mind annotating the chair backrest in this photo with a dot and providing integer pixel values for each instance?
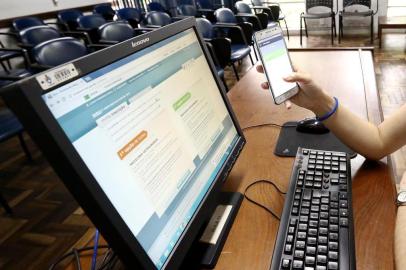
(116, 31)
(242, 7)
(37, 34)
(256, 3)
(158, 18)
(204, 27)
(319, 3)
(91, 21)
(204, 4)
(58, 51)
(69, 17)
(187, 10)
(225, 15)
(105, 10)
(22, 23)
(347, 3)
(156, 6)
(129, 14)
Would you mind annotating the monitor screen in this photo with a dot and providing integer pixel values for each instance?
(154, 131)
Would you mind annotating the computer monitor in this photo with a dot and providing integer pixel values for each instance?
(142, 135)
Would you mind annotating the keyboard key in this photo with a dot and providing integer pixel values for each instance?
(316, 194)
(322, 249)
(312, 232)
(313, 223)
(303, 219)
(302, 227)
(310, 260)
(320, 267)
(301, 235)
(323, 240)
(289, 238)
(285, 264)
(333, 255)
(333, 246)
(323, 231)
(295, 210)
(310, 250)
(343, 187)
(334, 212)
(291, 230)
(299, 254)
(333, 228)
(321, 259)
(324, 215)
(334, 196)
(332, 265)
(288, 249)
(323, 222)
(293, 222)
(344, 222)
(343, 195)
(334, 205)
(314, 216)
(297, 264)
(333, 236)
(333, 220)
(343, 204)
(311, 241)
(304, 211)
(307, 195)
(324, 207)
(300, 244)
(343, 213)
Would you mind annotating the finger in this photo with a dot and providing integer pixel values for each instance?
(260, 69)
(297, 77)
(288, 104)
(265, 85)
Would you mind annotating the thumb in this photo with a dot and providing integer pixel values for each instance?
(297, 77)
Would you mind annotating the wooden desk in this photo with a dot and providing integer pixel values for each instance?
(390, 23)
(251, 240)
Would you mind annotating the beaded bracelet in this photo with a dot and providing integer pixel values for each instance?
(330, 113)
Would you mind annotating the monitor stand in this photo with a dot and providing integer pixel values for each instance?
(207, 248)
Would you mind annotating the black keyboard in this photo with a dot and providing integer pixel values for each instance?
(316, 227)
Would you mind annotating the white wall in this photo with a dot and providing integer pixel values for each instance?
(16, 8)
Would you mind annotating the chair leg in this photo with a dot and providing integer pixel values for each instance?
(287, 29)
(252, 62)
(372, 29)
(24, 146)
(235, 72)
(305, 24)
(340, 27)
(4, 203)
(335, 28)
(255, 53)
(332, 31)
(4, 66)
(301, 30)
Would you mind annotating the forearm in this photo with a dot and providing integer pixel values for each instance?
(360, 135)
(373, 142)
(400, 238)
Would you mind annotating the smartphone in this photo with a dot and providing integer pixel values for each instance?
(276, 62)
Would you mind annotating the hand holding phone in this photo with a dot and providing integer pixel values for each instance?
(276, 62)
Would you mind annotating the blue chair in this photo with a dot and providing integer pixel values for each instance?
(352, 9)
(225, 16)
(6, 55)
(187, 10)
(207, 8)
(54, 52)
(155, 19)
(259, 20)
(115, 32)
(132, 15)
(34, 35)
(227, 51)
(156, 6)
(105, 10)
(22, 23)
(273, 10)
(9, 128)
(68, 18)
(11, 75)
(90, 25)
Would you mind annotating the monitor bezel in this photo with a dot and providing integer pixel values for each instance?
(25, 99)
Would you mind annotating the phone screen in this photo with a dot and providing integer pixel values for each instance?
(275, 60)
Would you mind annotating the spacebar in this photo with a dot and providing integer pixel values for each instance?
(344, 252)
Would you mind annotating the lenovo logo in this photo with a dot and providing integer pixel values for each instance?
(139, 42)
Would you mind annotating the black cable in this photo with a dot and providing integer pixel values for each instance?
(77, 259)
(267, 124)
(79, 250)
(257, 203)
